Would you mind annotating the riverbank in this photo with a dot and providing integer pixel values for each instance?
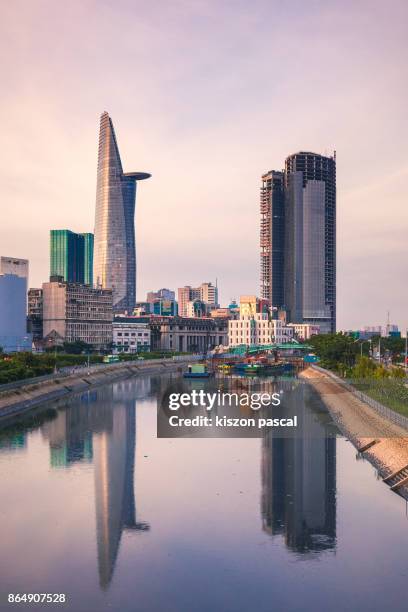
(382, 442)
(21, 397)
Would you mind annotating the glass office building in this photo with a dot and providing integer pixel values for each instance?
(272, 235)
(71, 256)
(310, 240)
(115, 248)
(88, 257)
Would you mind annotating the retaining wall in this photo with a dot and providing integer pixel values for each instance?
(21, 396)
(384, 411)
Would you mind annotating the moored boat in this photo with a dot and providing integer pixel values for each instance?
(197, 370)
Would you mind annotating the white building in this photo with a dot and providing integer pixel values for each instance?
(304, 331)
(13, 265)
(258, 329)
(130, 335)
(209, 294)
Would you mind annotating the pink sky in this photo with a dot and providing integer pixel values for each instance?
(207, 96)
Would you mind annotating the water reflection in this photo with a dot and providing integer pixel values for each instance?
(299, 479)
(101, 428)
(69, 436)
(13, 441)
(298, 499)
(114, 458)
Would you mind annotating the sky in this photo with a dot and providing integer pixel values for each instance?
(207, 96)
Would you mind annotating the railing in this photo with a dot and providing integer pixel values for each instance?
(388, 413)
(68, 371)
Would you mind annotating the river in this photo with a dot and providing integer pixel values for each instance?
(95, 506)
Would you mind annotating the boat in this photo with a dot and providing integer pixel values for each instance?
(225, 368)
(249, 368)
(197, 370)
(264, 368)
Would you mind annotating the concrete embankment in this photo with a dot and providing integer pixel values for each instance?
(383, 442)
(23, 396)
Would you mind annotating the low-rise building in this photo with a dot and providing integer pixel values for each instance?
(130, 335)
(258, 328)
(197, 308)
(224, 313)
(187, 334)
(73, 312)
(304, 331)
(141, 309)
(165, 308)
(250, 305)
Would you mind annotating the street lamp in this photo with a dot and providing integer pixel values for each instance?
(361, 346)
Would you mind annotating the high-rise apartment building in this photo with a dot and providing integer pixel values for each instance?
(298, 239)
(115, 248)
(310, 240)
(185, 295)
(71, 256)
(206, 292)
(88, 257)
(272, 237)
(35, 313)
(73, 311)
(209, 294)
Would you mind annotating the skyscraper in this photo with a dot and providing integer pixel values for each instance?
(88, 257)
(13, 305)
(272, 234)
(115, 249)
(298, 239)
(310, 240)
(71, 256)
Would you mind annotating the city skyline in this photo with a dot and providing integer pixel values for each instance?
(201, 115)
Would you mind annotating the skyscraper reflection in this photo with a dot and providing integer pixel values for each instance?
(103, 431)
(114, 459)
(299, 480)
(70, 437)
(12, 441)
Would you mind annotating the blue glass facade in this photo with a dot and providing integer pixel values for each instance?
(71, 256)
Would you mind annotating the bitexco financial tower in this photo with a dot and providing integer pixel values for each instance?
(114, 247)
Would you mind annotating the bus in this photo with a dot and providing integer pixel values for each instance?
(111, 359)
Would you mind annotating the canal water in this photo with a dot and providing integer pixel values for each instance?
(95, 506)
